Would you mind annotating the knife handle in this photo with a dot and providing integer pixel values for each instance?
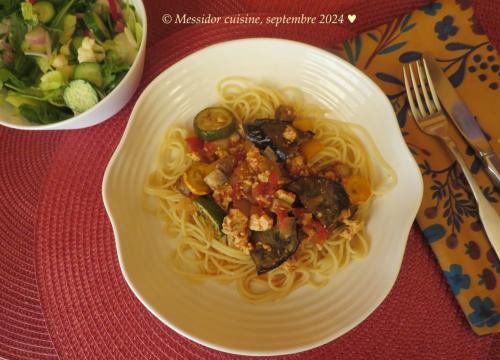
(492, 165)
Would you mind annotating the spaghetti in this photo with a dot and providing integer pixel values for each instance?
(204, 252)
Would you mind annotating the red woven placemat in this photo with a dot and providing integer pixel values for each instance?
(61, 289)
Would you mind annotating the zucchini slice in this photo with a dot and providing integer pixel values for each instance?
(96, 26)
(214, 123)
(194, 177)
(89, 71)
(211, 210)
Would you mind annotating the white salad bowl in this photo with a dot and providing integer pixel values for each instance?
(214, 314)
(104, 109)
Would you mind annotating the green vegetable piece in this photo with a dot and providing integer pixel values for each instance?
(214, 123)
(43, 113)
(17, 100)
(76, 43)
(60, 15)
(51, 80)
(211, 210)
(29, 13)
(89, 71)
(129, 17)
(69, 26)
(45, 11)
(113, 70)
(43, 64)
(96, 26)
(125, 50)
(80, 96)
(138, 33)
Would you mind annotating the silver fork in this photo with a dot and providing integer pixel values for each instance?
(431, 119)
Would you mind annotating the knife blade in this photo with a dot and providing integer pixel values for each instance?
(464, 120)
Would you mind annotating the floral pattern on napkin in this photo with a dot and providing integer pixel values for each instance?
(448, 215)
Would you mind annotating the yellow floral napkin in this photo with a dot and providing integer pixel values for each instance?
(448, 214)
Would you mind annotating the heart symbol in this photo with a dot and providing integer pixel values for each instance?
(351, 18)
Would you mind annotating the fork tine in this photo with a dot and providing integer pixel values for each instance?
(414, 110)
(417, 93)
(423, 87)
(431, 86)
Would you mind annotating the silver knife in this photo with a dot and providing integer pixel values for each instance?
(464, 120)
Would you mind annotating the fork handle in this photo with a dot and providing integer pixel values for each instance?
(492, 167)
(487, 213)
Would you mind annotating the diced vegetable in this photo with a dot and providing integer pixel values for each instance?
(195, 144)
(324, 198)
(76, 43)
(51, 80)
(214, 123)
(96, 26)
(80, 96)
(303, 124)
(69, 26)
(90, 72)
(358, 188)
(195, 175)
(273, 247)
(270, 133)
(45, 11)
(310, 148)
(138, 33)
(211, 210)
(129, 17)
(29, 14)
(215, 179)
(113, 10)
(125, 50)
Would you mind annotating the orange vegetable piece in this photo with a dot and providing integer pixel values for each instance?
(193, 178)
(358, 188)
(309, 148)
(303, 124)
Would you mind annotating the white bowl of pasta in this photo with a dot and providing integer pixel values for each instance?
(262, 214)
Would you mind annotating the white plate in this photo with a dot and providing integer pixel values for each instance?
(213, 314)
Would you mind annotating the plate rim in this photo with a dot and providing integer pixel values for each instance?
(406, 226)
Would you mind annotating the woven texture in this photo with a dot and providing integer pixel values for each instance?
(61, 290)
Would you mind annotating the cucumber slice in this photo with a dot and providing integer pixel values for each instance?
(96, 26)
(45, 11)
(80, 96)
(214, 123)
(90, 72)
(211, 210)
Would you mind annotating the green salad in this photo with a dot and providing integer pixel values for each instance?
(58, 58)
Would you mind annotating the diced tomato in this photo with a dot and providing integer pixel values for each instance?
(281, 214)
(195, 144)
(274, 179)
(113, 10)
(120, 26)
(298, 213)
(209, 148)
(261, 189)
(322, 233)
(87, 33)
(33, 1)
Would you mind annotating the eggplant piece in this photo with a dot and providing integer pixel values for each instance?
(269, 133)
(324, 198)
(273, 247)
